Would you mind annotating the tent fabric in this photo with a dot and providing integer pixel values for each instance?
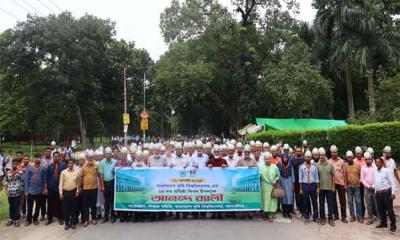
(250, 128)
(299, 124)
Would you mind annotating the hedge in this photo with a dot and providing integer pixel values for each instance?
(375, 135)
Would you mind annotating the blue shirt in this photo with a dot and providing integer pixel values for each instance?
(308, 175)
(34, 183)
(53, 179)
(107, 169)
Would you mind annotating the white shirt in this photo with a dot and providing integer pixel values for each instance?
(390, 165)
(179, 162)
(232, 162)
(384, 180)
(1, 166)
(199, 161)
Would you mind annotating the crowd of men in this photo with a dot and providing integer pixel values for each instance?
(74, 187)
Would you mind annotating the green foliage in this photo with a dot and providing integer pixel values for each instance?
(375, 135)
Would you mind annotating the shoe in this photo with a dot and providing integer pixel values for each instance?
(323, 221)
(98, 216)
(315, 220)
(370, 222)
(332, 223)
(360, 220)
(94, 222)
(73, 226)
(270, 219)
(392, 229)
(36, 222)
(381, 226)
(336, 218)
(344, 220)
(9, 223)
(27, 224)
(42, 218)
(60, 222)
(113, 220)
(104, 220)
(86, 224)
(352, 219)
(284, 215)
(16, 223)
(289, 216)
(66, 227)
(48, 222)
(306, 221)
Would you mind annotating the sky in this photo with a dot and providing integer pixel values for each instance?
(136, 20)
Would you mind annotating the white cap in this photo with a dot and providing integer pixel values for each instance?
(157, 146)
(308, 154)
(178, 146)
(358, 150)
(233, 142)
(108, 150)
(252, 143)
(146, 146)
(146, 153)
(79, 155)
(239, 145)
(90, 153)
(315, 151)
(53, 143)
(98, 153)
(387, 149)
(349, 154)
(139, 153)
(124, 150)
(333, 148)
(247, 148)
(370, 150)
(132, 149)
(151, 146)
(216, 148)
(367, 155)
(258, 144)
(273, 148)
(267, 156)
(304, 142)
(190, 145)
(208, 145)
(224, 147)
(290, 150)
(266, 145)
(322, 151)
(286, 146)
(231, 147)
(199, 144)
(162, 148)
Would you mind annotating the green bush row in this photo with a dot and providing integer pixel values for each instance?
(375, 135)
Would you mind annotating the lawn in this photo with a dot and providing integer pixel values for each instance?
(3, 206)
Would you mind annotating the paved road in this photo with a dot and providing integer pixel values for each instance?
(200, 230)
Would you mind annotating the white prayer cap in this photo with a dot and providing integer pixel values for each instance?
(132, 149)
(358, 150)
(146, 153)
(367, 155)
(98, 153)
(162, 148)
(290, 150)
(216, 148)
(108, 150)
(267, 155)
(146, 146)
(247, 148)
(157, 146)
(322, 151)
(304, 142)
(199, 144)
(252, 143)
(286, 146)
(139, 153)
(308, 154)
(370, 150)
(258, 144)
(334, 148)
(151, 146)
(349, 154)
(79, 155)
(124, 150)
(231, 147)
(387, 149)
(172, 143)
(273, 148)
(90, 153)
(190, 145)
(134, 145)
(178, 146)
(239, 145)
(224, 147)
(233, 142)
(266, 145)
(315, 151)
(53, 143)
(208, 145)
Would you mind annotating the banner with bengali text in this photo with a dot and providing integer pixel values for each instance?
(186, 190)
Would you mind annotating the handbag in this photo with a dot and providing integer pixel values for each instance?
(278, 191)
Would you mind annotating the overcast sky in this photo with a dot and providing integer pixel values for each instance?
(136, 20)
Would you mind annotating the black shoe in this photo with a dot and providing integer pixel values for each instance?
(381, 226)
(48, 222)
(27, 224)
(284, 215)
(332, 223)
(392, 229)
(66, 227)
(36, 222)
(60, 221)
(9, 223)
(105, 220)
(42, 218)
(289, 215)
(98, 216)
(73, 226)
(344, 220)
(113, 220)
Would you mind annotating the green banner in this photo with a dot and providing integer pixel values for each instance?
(166, 189)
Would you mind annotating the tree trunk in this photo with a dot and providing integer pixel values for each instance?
(349, 83)
(82, 127)
(371, 92)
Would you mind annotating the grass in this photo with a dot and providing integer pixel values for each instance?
(3, 206)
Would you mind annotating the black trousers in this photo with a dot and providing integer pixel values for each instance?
(342, 198)
(13, 206)
(385, 204)
(89, 202)
(54, 206)
(109, 199)
(297, 196)
(44, 206)
(79, 209)
(37, 200)
(69, 204)
(362, 200)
